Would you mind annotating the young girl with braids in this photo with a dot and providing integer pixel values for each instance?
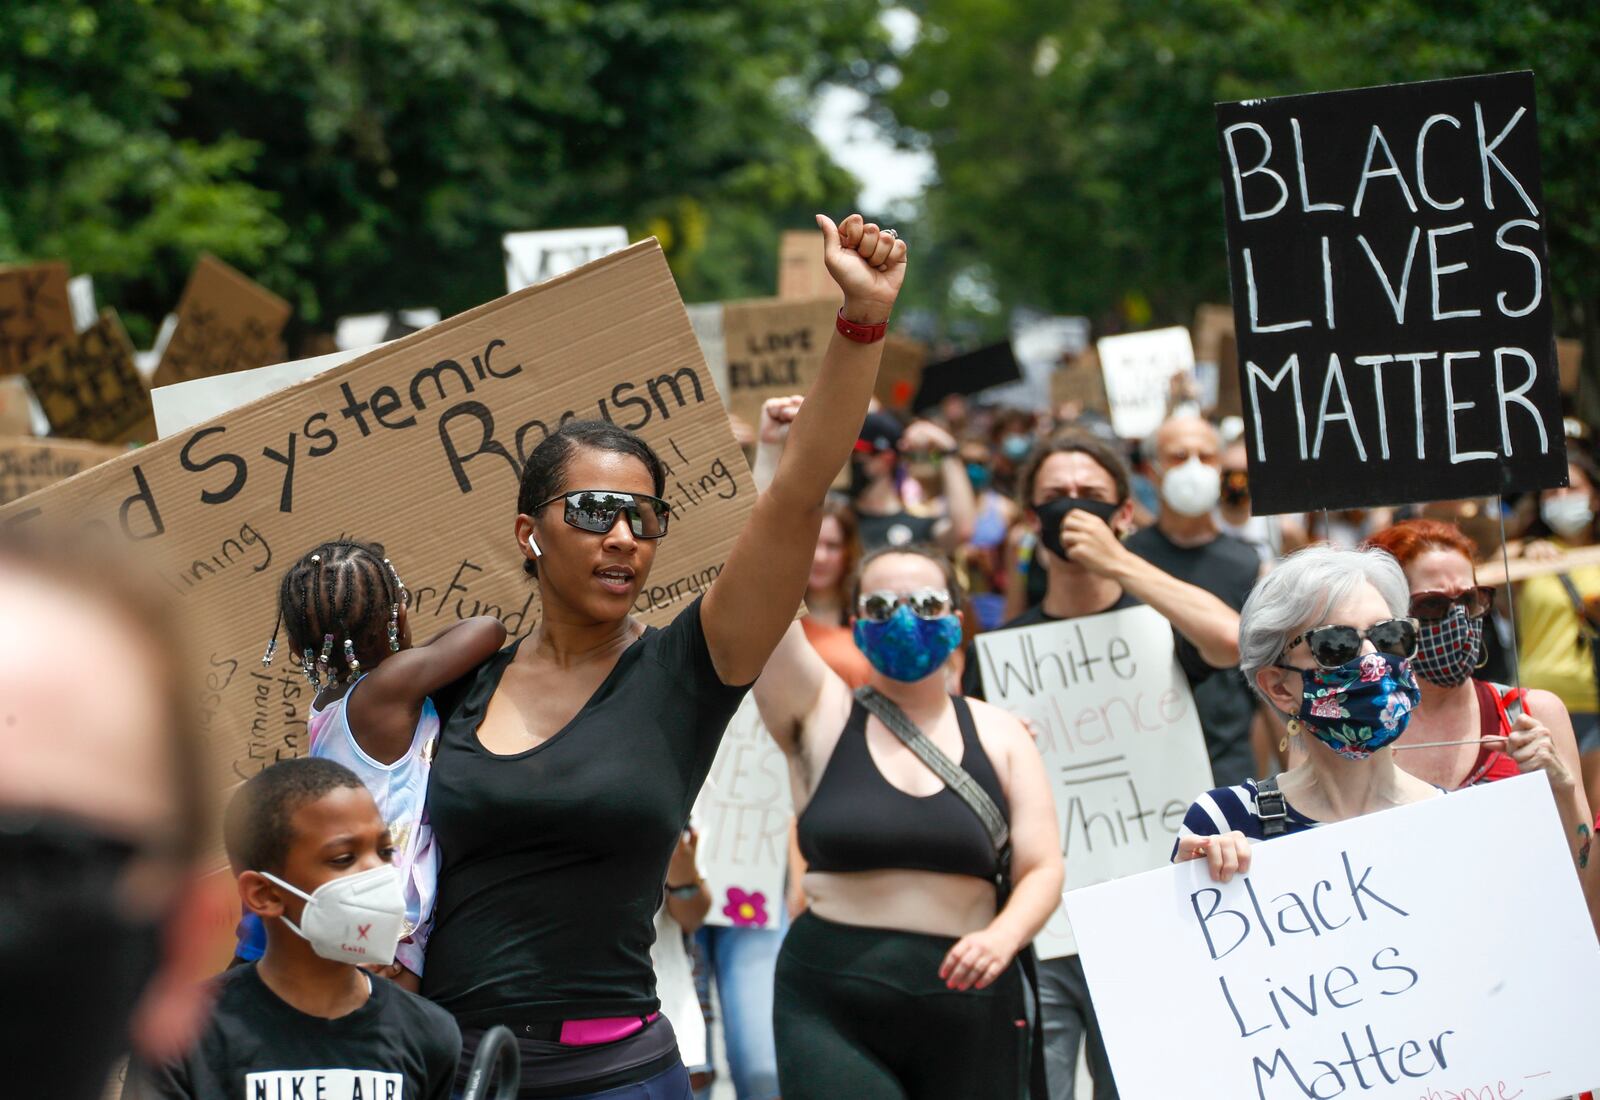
(345, 611)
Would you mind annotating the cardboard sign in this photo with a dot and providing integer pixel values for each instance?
(965, 375)
(1119, 736)
(1391, 294)
(775, 348)
(743, 815)
(419, 445)
(900, 372)
(802, 271)
(1340, 966)
(16, 407)
(1079, 381)
(35, 312)
(542, 254)
(1138, 369)
(1569, 360)
(88, 386)
(225, 323)
(28, 463)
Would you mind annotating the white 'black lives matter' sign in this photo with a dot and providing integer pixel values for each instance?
(1392, 294)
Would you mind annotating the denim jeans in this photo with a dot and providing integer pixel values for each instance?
(1068, 1019)
(743, 961)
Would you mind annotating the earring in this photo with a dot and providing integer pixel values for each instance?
(350, 661)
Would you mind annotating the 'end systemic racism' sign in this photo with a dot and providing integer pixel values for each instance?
(1366, 960)
(1386, 248)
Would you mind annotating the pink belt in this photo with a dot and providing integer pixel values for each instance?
(608, 1029)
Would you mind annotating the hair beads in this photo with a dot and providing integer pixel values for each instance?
(337, 602)
(309, 667)
(322, 658)
(352, 666)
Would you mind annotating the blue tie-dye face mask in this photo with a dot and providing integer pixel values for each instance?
(907, 648)
(1360, 706)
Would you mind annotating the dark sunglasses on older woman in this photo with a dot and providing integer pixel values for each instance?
(596, 511)
(1335, 645)
(925, 603)
(1438, 605)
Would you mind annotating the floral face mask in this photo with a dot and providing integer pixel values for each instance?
(1360, 706)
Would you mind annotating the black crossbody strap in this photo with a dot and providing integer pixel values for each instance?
(1271, 807)
(954, 775)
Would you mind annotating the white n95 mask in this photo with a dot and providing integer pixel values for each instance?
(1193, 488)
(355, 919)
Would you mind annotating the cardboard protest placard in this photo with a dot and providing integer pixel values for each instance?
(1335, 967)
(29, 463)
(1119, 736)
(775, 348)
(743, 816)
(802, 271)
(965, 375)
(16, 407)
(1212, 328)
(35, 312)
(1138, 369)
(1079, 381)
(1391, 294)
(900, 372)
(1569, 361)
(88, 386)
(226, 322)
(541, 254)
(419, 445)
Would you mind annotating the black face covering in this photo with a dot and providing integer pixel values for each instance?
(72, 965)
(859, 477)
(1053, 512)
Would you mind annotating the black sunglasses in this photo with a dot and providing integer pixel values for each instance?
(1437, 605)
(596, 510)
(1335, 645)
(925, 603)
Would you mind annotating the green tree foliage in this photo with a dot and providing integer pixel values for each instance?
(1076, 146)
(368, 154)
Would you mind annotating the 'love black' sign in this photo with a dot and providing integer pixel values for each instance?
(1391, 291)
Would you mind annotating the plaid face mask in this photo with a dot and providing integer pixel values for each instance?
(1447, 648)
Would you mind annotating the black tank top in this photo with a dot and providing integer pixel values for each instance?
(858, 821)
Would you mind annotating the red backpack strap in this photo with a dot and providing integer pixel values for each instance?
(1509, 701)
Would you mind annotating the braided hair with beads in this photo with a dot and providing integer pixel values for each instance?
(341, 606)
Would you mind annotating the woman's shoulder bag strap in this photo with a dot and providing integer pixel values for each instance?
(954, 775)
(1272, 808)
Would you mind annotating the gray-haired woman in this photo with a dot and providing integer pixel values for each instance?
(1325, 639)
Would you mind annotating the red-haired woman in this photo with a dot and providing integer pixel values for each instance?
(1461, 720)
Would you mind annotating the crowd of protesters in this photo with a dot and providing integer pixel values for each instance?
(535, 797)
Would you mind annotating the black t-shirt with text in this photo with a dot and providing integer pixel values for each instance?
(1226, 567)
(552, 859)
(256, 1046)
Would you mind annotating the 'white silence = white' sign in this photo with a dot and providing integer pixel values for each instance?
(1119, 735)
(743, 815)
(542, 254)
(1138, 370)
(1439, 950)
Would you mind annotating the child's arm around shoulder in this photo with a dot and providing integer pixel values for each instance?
(383, 709)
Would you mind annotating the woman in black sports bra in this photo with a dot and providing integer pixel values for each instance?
(900, 980)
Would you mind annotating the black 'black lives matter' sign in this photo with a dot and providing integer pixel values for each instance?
(1392, 296)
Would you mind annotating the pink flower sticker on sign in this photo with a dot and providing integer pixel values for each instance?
(746, 910)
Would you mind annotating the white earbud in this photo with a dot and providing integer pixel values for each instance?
(534, 547)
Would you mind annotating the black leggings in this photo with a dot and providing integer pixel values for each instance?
(863, 1013)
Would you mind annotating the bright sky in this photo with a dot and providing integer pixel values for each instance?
(888, 175)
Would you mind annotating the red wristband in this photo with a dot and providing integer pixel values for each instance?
(861, 334)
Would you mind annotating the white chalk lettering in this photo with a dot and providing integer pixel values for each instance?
(1486, 155)
(1369, 173)
(1397, 299)
(1533, 259)
(1437, 271)
(1452, 406)
(1503, 397)
(1422, 175)
(1260, 167)
(1291, 367)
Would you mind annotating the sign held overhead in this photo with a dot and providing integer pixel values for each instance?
(1391, 293)
(541, 254)
(225, 322)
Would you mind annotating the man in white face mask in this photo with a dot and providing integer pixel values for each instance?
(313, 858)
(1186, 458)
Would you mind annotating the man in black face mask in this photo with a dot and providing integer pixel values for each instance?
(1076, 488)
(101, 817)
(884, 520)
